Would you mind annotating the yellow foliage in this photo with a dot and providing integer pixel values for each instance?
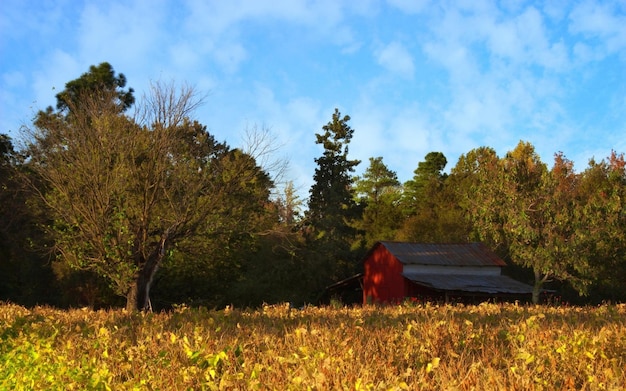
(427, 347)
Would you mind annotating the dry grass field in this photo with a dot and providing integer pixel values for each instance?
(406, 347)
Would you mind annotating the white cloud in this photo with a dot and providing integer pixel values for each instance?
(131, 32)
(410, 6)
(397, 59)
(504, 68)
(14, 79)
(369, 139)
(455, 74)
(402, 135)
(605, 22)
(184, 56)
(293, 121)
(220, 19)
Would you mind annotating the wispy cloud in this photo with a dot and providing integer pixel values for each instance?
(397, 59)
(410, 6)
(415, 76)
(604, 22)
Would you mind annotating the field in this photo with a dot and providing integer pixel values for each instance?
(412, 347)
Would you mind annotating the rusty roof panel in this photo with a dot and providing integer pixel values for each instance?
(470, 283)
(447, 254)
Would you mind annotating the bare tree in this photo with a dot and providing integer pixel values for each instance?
(264, 147)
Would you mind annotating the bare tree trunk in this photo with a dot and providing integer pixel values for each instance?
(138, 298)
(144, 282)
(539, 281)
(131, 298)
(536, 292)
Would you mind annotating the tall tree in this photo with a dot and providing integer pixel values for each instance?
(439, 219)
(289, 206)
(430, 207)
(378, 191)
(600, 225)
(429, 177)
(127, 193)
(332, 208)
(474, 180)
(276, 268)
(25, 275)
(524, 209)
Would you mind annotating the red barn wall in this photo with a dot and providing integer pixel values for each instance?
(383, 281)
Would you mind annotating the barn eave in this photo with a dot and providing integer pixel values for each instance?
(491, 284)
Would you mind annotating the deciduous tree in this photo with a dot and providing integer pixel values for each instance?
(518, 205)
(600, 225)
(128, 193)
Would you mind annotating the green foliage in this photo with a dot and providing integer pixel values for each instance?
(331, 204)
(473, 180)
(275, 271)
(123, 193)
(289, 206)
(439, 221)
(100, 79)
(332, 209)
(429, 178)
(515, 210)
(545, 220)
(25, 274)
(122, 202)
(377, 181)
(600, 225)
(378, 193)
(430, 206)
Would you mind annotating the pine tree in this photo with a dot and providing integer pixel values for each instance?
(332, 208)
(378, 192)
(428, 176)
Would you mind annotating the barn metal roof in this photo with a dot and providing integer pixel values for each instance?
(470, 283)
(446, 254)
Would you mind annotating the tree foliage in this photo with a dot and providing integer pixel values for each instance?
(378, 192)
(428, 179)
(332, 209)
(599, 227)
(525, 210)
(431, 212)
(25, 275)
(129, 203)
(126, 193)
(100, 80)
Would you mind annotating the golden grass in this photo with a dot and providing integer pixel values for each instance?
(429, 347)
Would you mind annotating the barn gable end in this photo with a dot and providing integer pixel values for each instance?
(382, 280)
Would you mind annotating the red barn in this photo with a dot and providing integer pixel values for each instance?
(394, 271)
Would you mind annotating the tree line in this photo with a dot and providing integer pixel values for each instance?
(114, 202)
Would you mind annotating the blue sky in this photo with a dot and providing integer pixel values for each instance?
(414, 75)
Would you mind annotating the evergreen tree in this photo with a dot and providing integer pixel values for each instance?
(102, 80)
(332, 208)
(378, 192)
(429, 177)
